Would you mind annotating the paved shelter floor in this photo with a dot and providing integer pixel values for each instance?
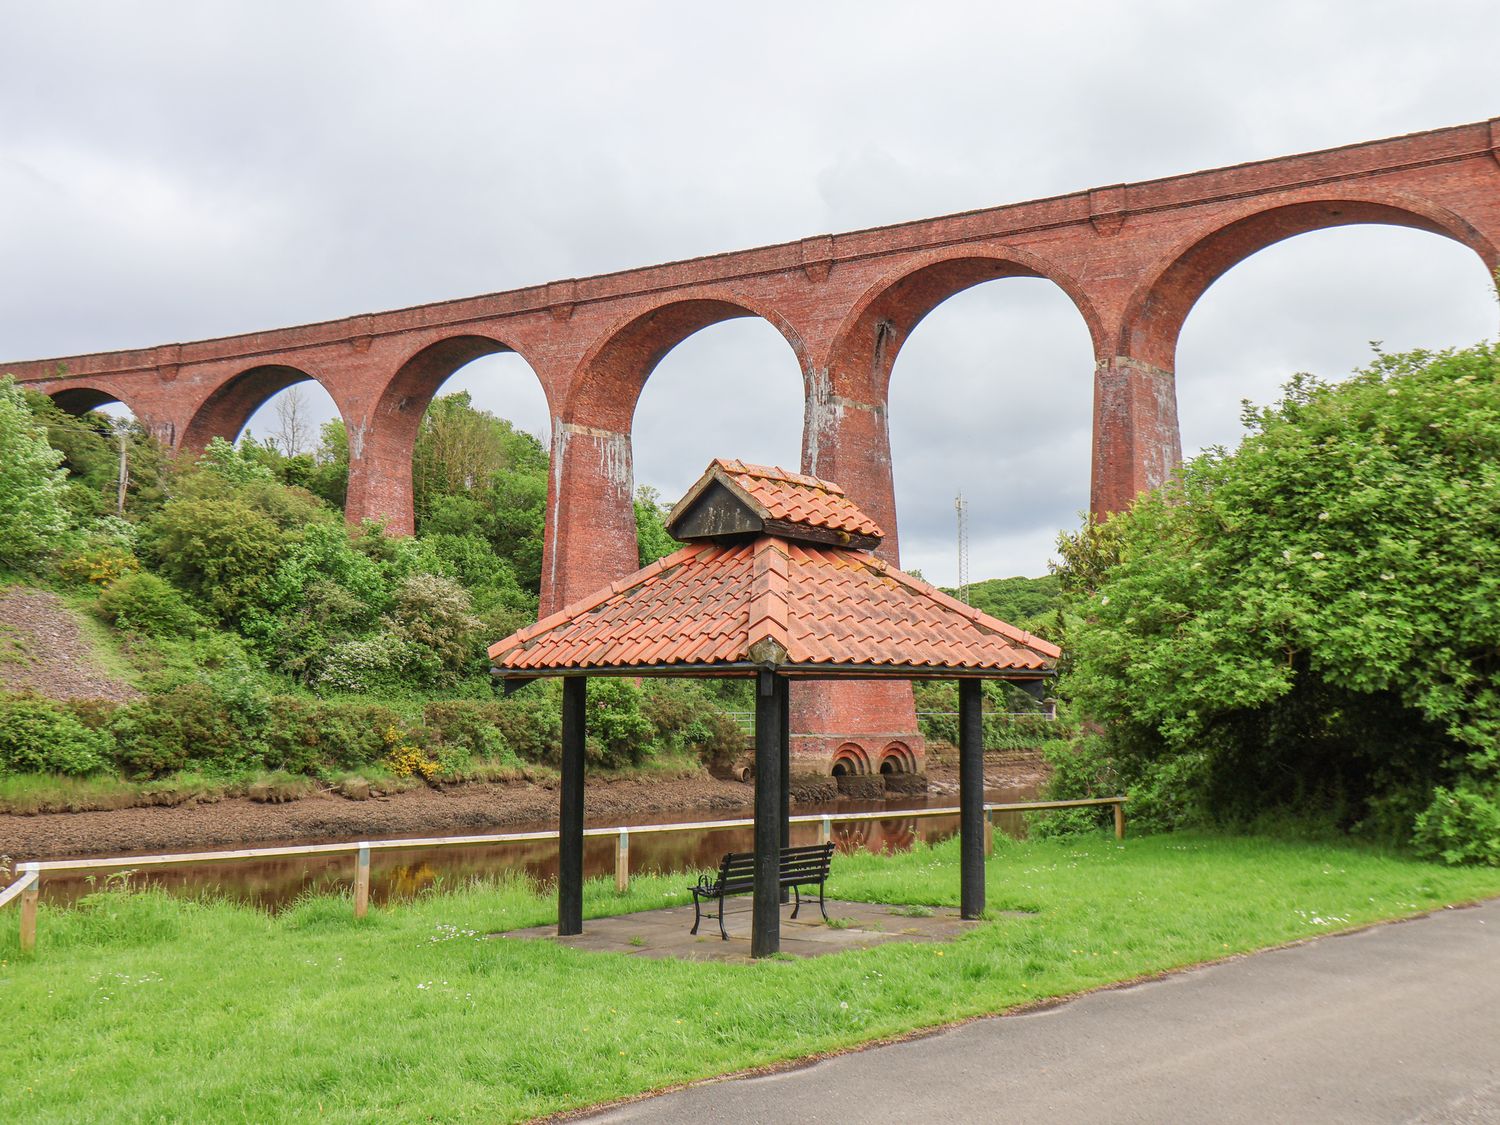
(664, 933)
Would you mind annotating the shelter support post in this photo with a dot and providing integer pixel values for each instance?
(784, 685)
(570, 817)
(765, 925)
(971, 796)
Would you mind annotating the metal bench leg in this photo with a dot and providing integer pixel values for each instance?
(821, 907)
(796, 890)
(697, 915)
(723, 933)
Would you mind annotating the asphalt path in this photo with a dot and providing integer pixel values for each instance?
(1399, 1023)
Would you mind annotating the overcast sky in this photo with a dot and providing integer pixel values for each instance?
(176, 171)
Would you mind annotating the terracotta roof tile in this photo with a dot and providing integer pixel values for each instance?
(706, 605)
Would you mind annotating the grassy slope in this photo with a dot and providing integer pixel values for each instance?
(143, 1008)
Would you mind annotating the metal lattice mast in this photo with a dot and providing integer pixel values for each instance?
(961, 507)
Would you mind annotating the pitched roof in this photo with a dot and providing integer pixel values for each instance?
(790, 500)
(767, 602)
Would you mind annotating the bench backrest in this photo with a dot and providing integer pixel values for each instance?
(807, 864)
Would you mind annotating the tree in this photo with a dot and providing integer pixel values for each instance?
(294, 428)
(457, 449)
(32, 515)
(1310, 622)
(330, 475)
(474, 473)
(652, 539)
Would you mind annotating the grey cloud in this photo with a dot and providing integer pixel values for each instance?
(172, 172)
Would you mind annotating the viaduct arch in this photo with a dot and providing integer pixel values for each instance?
(1134, 259)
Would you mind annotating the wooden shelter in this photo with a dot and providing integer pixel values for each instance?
(777, 581)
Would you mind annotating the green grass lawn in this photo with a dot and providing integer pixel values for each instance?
(140, 1007)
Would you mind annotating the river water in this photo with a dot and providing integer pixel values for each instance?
(398, 875)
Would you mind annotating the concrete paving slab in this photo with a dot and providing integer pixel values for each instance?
(1399, 1023)
(664, 932)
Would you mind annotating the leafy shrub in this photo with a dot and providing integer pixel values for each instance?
(531, 722)
(221, 549)
(1461, 825)
(618, 733)
(434, 618)
(363, 666)
(112, 531)
(144, 603)
(98, 566)
(308, 736)
(465, 730)
(1162, 795)
(686, 718)
(160, 733)
(298, 641)
(37, 736)
(406, 760)
(464, 723)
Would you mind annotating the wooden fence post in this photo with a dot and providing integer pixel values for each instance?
(1119, 820)
(28, 911)
(825, 830)
(622, 861)
(362, 882)
(989, 832)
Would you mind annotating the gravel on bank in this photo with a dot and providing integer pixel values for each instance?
(42, 649)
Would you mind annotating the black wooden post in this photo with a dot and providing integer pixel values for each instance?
(570, 818)
(765, 925)
(785, 687)
(971, 797)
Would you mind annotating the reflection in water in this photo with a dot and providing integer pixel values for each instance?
(401, 875)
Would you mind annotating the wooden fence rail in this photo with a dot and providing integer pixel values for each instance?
(28, 886)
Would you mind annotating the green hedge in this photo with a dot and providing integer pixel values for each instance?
(222, 726)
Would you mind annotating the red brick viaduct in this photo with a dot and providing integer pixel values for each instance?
(1134, 258)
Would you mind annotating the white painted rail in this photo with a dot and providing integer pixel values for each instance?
(27, 887)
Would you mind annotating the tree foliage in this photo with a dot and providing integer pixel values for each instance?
(241, 592)
(651, 536)
(32, 515)
(1312, 621)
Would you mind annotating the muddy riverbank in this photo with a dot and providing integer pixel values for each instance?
(467, 809)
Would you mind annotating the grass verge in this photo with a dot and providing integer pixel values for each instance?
(141, 1007)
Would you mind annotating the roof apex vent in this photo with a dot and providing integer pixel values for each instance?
(733, 500)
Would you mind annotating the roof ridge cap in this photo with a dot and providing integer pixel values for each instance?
(770, 593)
(787, 476)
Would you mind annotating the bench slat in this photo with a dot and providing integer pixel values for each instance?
(799, 866)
